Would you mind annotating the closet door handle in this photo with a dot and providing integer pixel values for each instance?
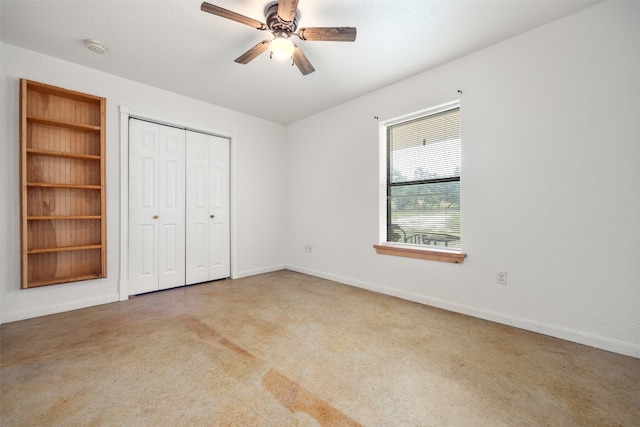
(155, 217)
(211, 216)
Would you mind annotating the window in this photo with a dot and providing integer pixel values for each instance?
(423, 181)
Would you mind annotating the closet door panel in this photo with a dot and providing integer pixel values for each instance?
(171, 214)
(198, 188)
(143, 206)
(200, 253)
(148, 248)
(219, 238)
(218, 257)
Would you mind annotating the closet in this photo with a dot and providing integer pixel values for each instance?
(178, 207)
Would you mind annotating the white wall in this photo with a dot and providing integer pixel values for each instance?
(550, 183)
(259, 180)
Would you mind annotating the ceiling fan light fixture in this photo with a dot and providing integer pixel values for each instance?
(282, 23)
(281, 48)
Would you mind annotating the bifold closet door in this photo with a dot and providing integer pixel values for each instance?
(156, 207)
(208, 227)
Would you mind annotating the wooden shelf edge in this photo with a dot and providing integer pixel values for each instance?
(63, 124)
(63, 249)
(62, 217)
(72, 186)
(62, 280)
(38, 152)
(425, 254)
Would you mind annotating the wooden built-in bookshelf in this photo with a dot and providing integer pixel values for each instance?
(62, 178)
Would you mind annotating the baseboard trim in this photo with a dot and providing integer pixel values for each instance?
(257, 271)
(60, 308)
(603, 343)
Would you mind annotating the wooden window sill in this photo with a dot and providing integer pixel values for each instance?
(427, 254)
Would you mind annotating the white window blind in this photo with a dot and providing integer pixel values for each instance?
(423, 180)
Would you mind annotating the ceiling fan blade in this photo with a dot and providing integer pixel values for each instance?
(287, 9)
(252, 53)
(302, 62)
(332, 34)
(224, 13)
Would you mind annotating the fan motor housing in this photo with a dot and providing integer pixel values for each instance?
(276, 24)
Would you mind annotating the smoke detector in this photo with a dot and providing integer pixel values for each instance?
(95, 46)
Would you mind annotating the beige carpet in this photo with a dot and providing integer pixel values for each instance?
(286, 349)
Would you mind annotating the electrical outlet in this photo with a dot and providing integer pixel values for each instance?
(308, 249)
(501, 277)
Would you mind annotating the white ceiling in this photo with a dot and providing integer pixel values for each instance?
(175, 46)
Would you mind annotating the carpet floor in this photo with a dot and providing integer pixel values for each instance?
(287, 349)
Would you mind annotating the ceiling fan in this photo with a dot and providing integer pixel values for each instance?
(282, 23)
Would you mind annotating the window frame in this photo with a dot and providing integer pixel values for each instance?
(402, 249)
